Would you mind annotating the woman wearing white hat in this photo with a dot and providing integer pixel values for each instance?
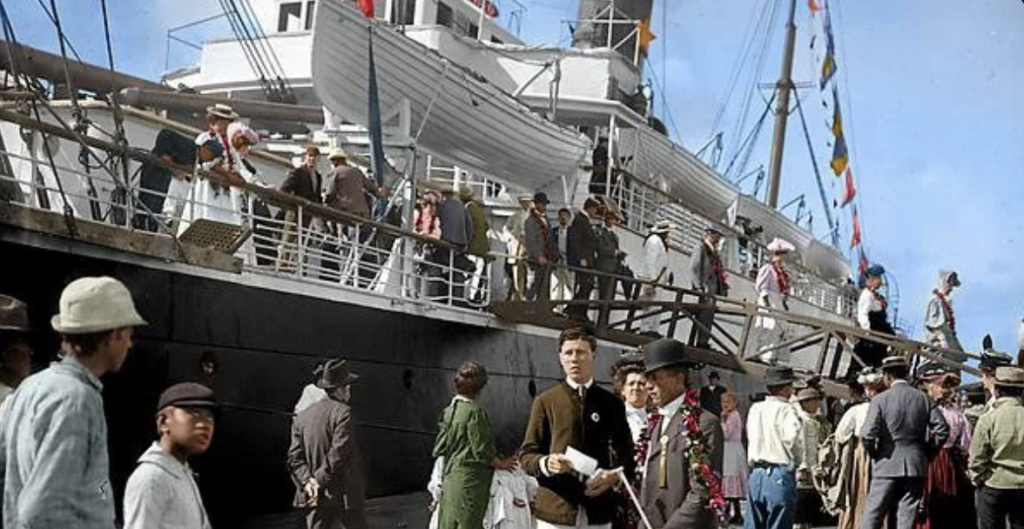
(213, 200)
(773, 287)
(939, 319)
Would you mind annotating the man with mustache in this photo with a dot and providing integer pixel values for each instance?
(161, 493)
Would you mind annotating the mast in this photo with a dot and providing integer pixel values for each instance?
(783, 89)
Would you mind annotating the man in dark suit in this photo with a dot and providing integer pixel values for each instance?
(711, 395)
(324, 458)
(673, 497)
(902, 425)
(540, 253)
(305, 182)
(708, 275)
(582, 253)
(580, 414)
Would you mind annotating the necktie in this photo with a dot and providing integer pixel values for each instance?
(582, 390)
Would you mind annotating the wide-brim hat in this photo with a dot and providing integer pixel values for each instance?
(335, 374)
(952, 278)
(780, 246)
(662, 226)
(665, 352)
(991, 360)
(807, 394)
(187, 395)
(13, 314)
(779, 376)
(869, 376)
(336, 153)
(1010, 377)
(95, 304)
(525, 198)
(220, 110)
(895, 362)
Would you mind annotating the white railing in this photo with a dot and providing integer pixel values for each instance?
(309, 246)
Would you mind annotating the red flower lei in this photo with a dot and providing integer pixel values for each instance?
(698, 453)
(783, 278)
(948, 310)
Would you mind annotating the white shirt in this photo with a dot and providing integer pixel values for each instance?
(775, 433)
(655, 259)
(865, 304)
(669, 410)
(852, 422)
(563, 240)
(637, 419)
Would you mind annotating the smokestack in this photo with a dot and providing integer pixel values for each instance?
(594, 33)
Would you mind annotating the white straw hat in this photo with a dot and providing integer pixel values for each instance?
(95, 304)
(337, 152)
(662, 226)
(780, 246)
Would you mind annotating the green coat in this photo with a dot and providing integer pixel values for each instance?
(479, 245)
(465, 442)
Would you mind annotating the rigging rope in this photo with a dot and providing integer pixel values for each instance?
(752, 31)
(748, 99)
(834, 235)
(748, 143)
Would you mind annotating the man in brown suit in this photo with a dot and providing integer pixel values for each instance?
(579, 414)
(671, 495)
(324, 459)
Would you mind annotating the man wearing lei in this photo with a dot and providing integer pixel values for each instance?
(680, 454)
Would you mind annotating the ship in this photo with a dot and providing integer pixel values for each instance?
(462, 102)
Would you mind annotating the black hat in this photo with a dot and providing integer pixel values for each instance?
(991, 359)
(665, 352)
(894, 362)
(335, 374)
(933, 370)
(541, 198)
(214, 146)
(779, 376)
(13, 314)
(187, 395)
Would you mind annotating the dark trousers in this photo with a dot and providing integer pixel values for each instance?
(995, 506)
(540, 284)
(896, 500)
(584, 287)
(335, 517)
(706, 319)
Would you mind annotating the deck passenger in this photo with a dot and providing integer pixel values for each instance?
(872, 315)
(206, 154)
(210, 199)
(15, 353)
(708, 275)
(452, 263)
(561, 276)
(53, 437)
(773, 289)
(479, 245)
(303, 182)
(177, 153)
(654, 269)
(540, 256)
(609, 255)
(939, 319)
(582, 254)
(513, 234)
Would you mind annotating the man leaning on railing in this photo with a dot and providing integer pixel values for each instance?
(304, 182)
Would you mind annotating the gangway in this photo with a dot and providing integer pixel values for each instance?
(816, 345)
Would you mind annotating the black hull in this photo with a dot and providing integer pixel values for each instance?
(266, 343)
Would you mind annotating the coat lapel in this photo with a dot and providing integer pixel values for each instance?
(674, 430)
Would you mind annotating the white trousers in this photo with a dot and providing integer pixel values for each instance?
(581, 523)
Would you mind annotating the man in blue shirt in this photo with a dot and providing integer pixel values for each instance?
(53, 436)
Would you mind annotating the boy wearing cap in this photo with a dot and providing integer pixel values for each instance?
(997, 454)
(161, 493)
(53, 439)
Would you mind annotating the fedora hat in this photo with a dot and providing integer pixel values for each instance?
(807, 394)
(1009, 376)
(894, 362)
(337, 152)
(662, 226)
(779, 376)
(13, 314)
(665, 352)
(95, 304)
(335, 374)
(220, 110)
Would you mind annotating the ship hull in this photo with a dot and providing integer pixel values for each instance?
(266, 343)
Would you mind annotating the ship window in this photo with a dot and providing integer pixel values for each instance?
(289, 17)
(444, 14)
(403, 12)
(310, 7)
(496, 40)
(474, 30)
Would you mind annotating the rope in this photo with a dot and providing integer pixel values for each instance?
(748, 99)
(817, 175)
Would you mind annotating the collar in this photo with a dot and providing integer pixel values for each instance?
(1007, 401)
(773, 398)
(71, 364)
(669, 410)
(576, 387)
(630, 410)
(461, 398)
(898, 381)
(155, 455)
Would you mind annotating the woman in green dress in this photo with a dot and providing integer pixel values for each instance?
(465, 442)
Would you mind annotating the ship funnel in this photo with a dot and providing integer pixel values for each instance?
(598, 17)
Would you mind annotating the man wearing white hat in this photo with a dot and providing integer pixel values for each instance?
(53, 439)
(349, 189)
(654, 269)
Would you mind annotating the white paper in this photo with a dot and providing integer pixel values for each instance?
(583, 463)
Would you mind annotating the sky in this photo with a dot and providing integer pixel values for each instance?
(930, 92)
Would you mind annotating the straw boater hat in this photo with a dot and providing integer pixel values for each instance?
(894, 362)
(222, 111)
(780, 246)
(525, 198)
(95, 304)
(666, 352)
(1010, 377)
(336, 153)
(13, 314)
(662, 226)
(335, 374)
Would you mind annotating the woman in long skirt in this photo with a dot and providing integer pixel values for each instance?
(734, 464)
(852, 496)
(773, 289)
(948, 493)
(465, 442)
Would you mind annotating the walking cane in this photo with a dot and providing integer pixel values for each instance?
(633, 498)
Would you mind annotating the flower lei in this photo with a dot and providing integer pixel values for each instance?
(948, 309)
(698, 453)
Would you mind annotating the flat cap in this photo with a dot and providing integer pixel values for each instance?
(187, 395)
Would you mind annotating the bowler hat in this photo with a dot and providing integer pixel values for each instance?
(1009, 376)
(894, 362)
(95, 304)
(541, 198)
(187, 395)
(779, 376)
(13, 314)
(335, 374)
(665, 352)
(807, 394)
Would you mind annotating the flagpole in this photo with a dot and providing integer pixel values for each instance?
(783, 89)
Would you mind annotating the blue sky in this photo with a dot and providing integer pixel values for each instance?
(932, 104)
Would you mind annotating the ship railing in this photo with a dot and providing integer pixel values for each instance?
(315, 244)
(641, 205)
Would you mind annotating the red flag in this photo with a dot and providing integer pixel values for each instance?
(855, 238)
(813, 6)
(862, 266)
(850, 190)
(366, 6)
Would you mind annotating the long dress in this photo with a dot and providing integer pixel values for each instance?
(948, 494)
(465, 442)
(734, 463)
(772, 285)
(853, 495)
